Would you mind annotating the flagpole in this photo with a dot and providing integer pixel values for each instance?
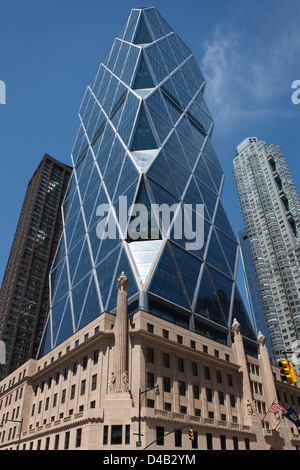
(268, 409)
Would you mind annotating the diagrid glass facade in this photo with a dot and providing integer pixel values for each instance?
(145, 138)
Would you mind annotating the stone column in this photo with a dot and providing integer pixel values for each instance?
(119, 378)
(240, 358)
(267, 374)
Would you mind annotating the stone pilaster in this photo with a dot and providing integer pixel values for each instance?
(119, 377)
(240, 358)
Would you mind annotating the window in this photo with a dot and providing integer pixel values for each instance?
(116, 435)
(72, 394)
(209, 441)
(195, 441)
(178, 438)
(56, 442)
(67, 440)
(127, 434)
(167, 384)
(181, 388)
(160, 431)
(209, 395)
(196, 391)
(94, 382)
(194, 369)
(223, 442)
(219, 376)
(235, 443)
(78, 437)
(82, 388)
(150, 380)
(206, 373)
(105, 435)
(150, 355)
(84, 362)
(180, 364)
(166, 360)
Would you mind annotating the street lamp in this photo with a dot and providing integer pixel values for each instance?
(139, 442)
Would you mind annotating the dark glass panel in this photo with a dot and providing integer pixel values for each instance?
(210, 332)
(230, 250)
(91, 308)
(84, 264)
(114, 54)
(130, 65)
(165, 282)
(132, 288)
(207, 305)
(223, 288)
(143, 138)
(210, 154)
(56, 292)
(174, 148)
(91, 204)
(78, 296)
(240, 313)
(142, 35)
(222, 221)
(106, 275)
(169, 312)
(128, 117)
(66, 326)
(202, 173)
(73, 259)
(74, 235)
(132, 23)
(161, 173)
(189, 269)
(143, 78)
(57, 315)
(215, 255)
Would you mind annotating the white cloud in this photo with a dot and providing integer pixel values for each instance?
(250, 72)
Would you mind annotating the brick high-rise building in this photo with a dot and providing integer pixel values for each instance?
(24, 295)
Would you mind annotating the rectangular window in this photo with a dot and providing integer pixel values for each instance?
(105, 435)
(56, 442)
(116, 435)
(127, 434)
(181, 388)
(209, 441)
(150, 355)
(194, 369)
(178, 438)
(160, 431)
(206, 373)
(78, 437)
(223, 442)
(180, 364)
(67, 440)
(150, 380)
(167, 384)
(94, 382)
(82, 388)
(209, 395)
(166, 360)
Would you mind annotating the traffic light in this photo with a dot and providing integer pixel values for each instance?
(287, 371)
(191, 434)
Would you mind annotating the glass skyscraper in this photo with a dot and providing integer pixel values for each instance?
(257, 313)
(145, 135)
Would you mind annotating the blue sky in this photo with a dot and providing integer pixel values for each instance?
(248, 51)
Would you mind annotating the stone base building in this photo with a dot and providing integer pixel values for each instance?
(120, 383)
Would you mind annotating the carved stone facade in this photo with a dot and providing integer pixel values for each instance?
(85, 393)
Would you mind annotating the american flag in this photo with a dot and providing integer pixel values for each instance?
(275, 408)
